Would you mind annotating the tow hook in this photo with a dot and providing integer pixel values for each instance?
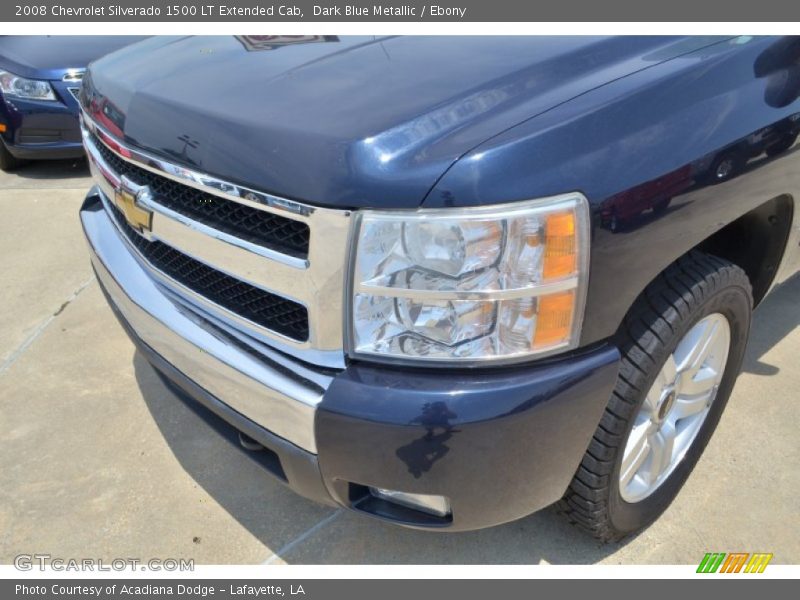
(249, 443)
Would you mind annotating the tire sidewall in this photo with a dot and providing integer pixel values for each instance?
(7, 161)
(734, 303)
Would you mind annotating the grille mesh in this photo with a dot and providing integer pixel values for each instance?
(278, 233)
(268, 310)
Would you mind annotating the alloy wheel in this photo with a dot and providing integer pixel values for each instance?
(675, 408)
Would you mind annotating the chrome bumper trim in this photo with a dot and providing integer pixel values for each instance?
(270, 389)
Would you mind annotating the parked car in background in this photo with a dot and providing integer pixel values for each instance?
(446, 282)
(771, 140)
(40, 77)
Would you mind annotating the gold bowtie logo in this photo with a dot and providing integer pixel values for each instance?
(127, 198)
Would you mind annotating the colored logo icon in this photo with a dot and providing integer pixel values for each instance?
(735, 562)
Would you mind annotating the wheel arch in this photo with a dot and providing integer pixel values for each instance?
(756, 242)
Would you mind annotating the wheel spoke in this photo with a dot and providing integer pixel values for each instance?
(670, 370)
(651, 400)
(661, 444)
(687, 406)
(701, 383)
(634, 456)
(694, 348)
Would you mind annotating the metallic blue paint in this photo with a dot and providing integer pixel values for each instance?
(670, 139)
(498, 444)
(635, 123)
(350, 122)
(651, 138)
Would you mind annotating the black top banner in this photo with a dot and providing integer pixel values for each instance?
(321, 11)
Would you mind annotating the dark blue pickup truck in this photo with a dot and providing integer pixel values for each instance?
(443, 281)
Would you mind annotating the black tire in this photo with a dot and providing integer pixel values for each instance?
(694, 287)
(661, 207)
(782, 145)
(8, 162)
(725, 167)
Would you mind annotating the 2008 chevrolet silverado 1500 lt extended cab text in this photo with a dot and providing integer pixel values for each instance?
(447, 282)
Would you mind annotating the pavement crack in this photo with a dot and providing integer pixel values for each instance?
(302, 537)
(26, 343)
(61, 308)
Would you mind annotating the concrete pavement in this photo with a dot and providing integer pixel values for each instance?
(98, 458)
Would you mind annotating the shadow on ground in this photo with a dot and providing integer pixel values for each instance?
(53, 169)
(208, 450)
(774, 319)
(227, 473)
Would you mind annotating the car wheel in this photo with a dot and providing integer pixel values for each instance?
(682, 346)
(660, 207)
(726, 167)
(782, 145)
(8, 162)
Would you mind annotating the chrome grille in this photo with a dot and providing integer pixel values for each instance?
(268, 268)
(281, 234)
(269, 310)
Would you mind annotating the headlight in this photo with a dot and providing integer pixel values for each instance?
(500, 283)
(30, 89)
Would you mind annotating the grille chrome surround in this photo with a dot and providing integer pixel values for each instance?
(262, 228)
(273, 312)
(316, 282)
(271, 389)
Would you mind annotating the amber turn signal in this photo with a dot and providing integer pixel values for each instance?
(554, 319)
(561, 249)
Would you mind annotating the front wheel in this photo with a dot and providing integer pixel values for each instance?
(661, 207)
(726, 167)
(682, 346)
(782, 145)
(8, 162)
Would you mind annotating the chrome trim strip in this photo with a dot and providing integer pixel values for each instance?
(224, 317)
(216, 235)
(316, 282)
(198, 180)
(154, 206)
(74, 75)
(274, 391)
(563, 285)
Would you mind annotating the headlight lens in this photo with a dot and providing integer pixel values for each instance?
(20, 87)
(470, 285)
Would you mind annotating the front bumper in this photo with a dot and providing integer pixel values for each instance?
(41, 130)
(499, 444)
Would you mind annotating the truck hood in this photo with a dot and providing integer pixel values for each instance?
(346, 122)
(51, 56)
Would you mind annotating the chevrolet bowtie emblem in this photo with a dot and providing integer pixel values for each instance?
(129, 199)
